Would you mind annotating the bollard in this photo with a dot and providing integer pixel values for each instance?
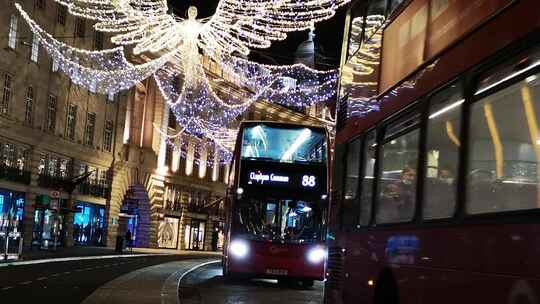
(6, 248)
(21, 239)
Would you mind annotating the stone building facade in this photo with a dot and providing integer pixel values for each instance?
(52, 131)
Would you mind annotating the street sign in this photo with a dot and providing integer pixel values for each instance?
(55, 194)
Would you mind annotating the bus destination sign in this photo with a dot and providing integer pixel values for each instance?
(258, 177)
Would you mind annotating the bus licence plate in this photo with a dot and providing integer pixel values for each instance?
(277, 271)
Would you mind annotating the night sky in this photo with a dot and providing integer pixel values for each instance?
(328, 37)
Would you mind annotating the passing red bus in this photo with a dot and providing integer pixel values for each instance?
(277, 202)
(436, 180)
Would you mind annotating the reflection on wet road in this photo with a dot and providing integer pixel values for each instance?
(206, 285)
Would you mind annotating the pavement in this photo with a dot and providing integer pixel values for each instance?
(74, 279)
(154, 284)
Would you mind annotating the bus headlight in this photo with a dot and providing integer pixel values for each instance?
(316, 255)
(239, 248)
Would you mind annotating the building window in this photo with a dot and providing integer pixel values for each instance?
(61, 14)
(12, 41)
(54, 65)
(172, 119)
(29, 105)
(107, 136)
(22, 156)
(168, 155)
(35, 49)
(40, 4)
(7, 155)
(98, 40)
(90, 127)
(103, 177)
(6, 96)
(52, 166)
(79, 27)
(51, 114)
(71, 121)
(64, 167)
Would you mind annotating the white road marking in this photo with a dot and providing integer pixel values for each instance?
(41, 278)
(25, 283)
(7, 287)
(55, 274)
(102, 257)
(67, 272)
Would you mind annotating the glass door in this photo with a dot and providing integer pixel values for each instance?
(196, 234)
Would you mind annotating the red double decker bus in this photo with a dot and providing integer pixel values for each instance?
(436, 185)
(277, 204)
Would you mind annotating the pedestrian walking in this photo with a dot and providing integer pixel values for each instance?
(127, 238)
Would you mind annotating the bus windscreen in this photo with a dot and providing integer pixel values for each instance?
(290, 221)
(284, 144)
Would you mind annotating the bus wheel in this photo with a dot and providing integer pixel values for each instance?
(386, 291)
(307, 283)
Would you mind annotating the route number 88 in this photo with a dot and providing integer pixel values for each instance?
(308, 181)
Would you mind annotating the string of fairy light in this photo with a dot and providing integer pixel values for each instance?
(176, 48)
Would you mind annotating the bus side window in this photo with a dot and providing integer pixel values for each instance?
(442, 150)
(504, 143)
(397, 177)
(352, 164)
(366, 196)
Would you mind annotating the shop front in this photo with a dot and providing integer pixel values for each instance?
(48, 230)
(11, 223)
(194, 234)
(89, 224)
(168, 232)
(128, 220)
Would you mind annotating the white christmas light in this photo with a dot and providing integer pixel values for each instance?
(176, 43)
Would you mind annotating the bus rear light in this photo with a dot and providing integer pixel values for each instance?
(239, 248)
(316, 255)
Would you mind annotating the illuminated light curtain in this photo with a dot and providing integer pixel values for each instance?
(203, 156)
(215, 168)
(163, 141)
(176, 157)
(190, 157)
(226, 174)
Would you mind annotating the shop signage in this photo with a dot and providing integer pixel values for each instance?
(260, 178)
